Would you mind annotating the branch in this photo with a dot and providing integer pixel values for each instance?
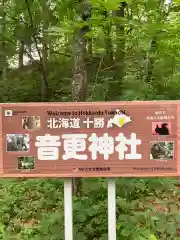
(58, 53)
(129, 30)
(17, 20)
(29, 54)
(107, 68)
(53, 51)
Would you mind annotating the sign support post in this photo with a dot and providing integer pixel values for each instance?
(111, 209)
(68, 214)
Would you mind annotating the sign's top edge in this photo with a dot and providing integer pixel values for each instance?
(95, 103)
(114, 103)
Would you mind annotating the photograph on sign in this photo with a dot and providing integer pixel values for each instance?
(31, 122)
(26, 163)
(90, 140)
(17, 142)
(162, 150)
(161, 128)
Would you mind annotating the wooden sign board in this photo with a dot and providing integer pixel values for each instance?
(105, 139)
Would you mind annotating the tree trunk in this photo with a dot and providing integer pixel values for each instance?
(79, 83)
(21, 54)
(90, 48)
(21, 42)
(151, 60)
(115, 88)
(3, 60)
(44, 89)
(42, 54)
(108, 40)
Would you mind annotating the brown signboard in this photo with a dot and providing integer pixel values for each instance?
(114, 139)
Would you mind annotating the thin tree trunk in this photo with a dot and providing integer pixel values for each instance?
(79, 83)
(3, 60)
(151, 60)
(42, 65)
(115, 87)
(44, 49)
(21, 54)
(21, 43)
(90, 48)
(108, 40)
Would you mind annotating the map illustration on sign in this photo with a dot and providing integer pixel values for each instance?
(89, 139)
(120, 119)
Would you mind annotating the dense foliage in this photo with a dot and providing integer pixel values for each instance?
(146, 210)
(89, 50)
(128, 50)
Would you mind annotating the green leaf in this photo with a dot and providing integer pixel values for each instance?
(81, 217)
(155, 218)
(177, 217)
(171, 228)
(2, 227)
(104, 237)
(80, 236)
(152, 237)
(118, 226)
(161, 226)
(140, 238)
(126, 232)
(176, 1)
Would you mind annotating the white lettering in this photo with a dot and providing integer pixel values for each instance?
(121, 147)
(104, 145)
(74, 143)
(48, 147)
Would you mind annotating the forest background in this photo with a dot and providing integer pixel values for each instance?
(89, 50)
